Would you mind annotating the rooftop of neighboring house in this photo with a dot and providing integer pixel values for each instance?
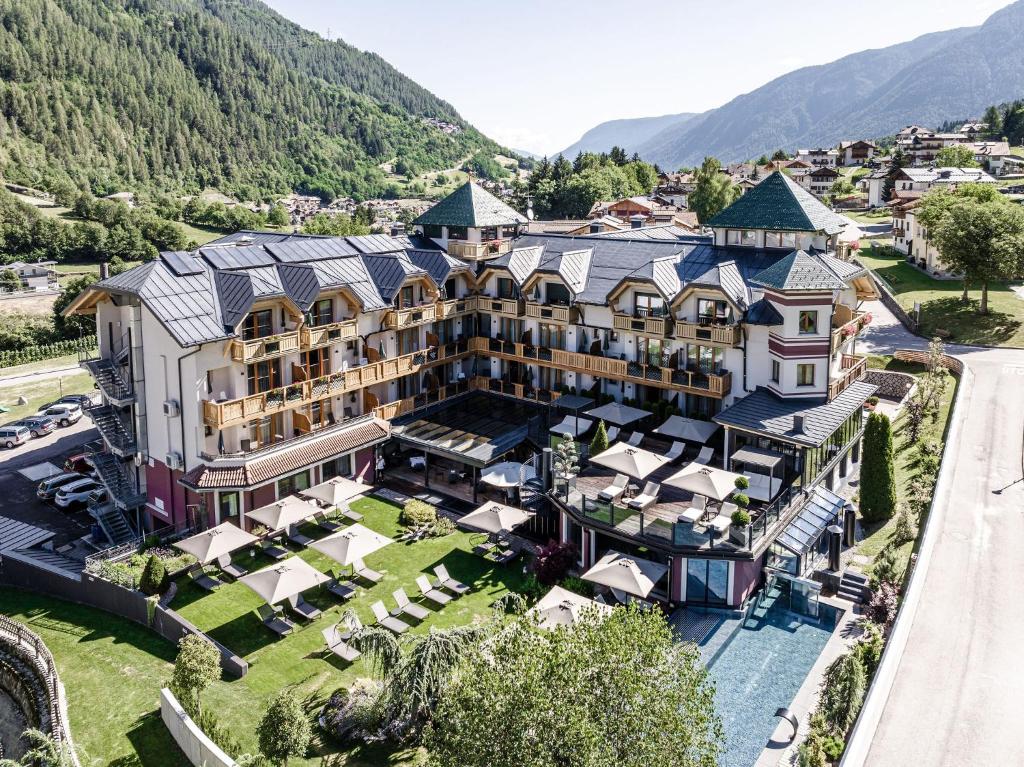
(858, 142)
(816, 151)
(990, 148)
(946, 175)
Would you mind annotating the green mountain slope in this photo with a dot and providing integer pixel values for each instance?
(176, 95)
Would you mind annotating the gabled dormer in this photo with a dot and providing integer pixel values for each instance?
(471, 223)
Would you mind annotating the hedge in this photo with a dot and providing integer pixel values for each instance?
(44, 352)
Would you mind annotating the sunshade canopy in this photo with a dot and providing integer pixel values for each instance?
(629, 574)
(495, 517)
(354, 542)
(678, 427)
(561, 607)
(507, 474)
(283, 513)
(704, 480)
(210, 544)
(756, 456)
(617, 413)
(284, 579)
(634, 461)
(335, 491)
(573, 402)
(572, 425)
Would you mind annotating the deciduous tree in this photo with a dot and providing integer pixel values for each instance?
(284, 731)
(196, 668)
(713, 191)
(955, 156)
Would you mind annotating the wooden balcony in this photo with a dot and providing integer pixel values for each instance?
(648, 326)
(219, 415)
(396, 319)
(476, 250)
(454, 307)
(694, 382)
(261, 348)
(321, 335)
(520, 391)
(409, 405)
(846, 323)
(719, 335)
(852, 368)
(503, 307)
(548, 313)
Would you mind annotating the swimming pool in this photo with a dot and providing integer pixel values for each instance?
(758, 662)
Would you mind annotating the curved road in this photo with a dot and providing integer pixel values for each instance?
(958, 690)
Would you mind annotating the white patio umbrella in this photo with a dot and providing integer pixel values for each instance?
(507, 474)
(630, 574)
(284, 579)
(689, 429)
(705, 480)
(495, 517)
(283, 513)
(211, 544)
(634, 461)
(354, 542)
(335, 491)
(561, 607)
(617, 413)
(573, 425)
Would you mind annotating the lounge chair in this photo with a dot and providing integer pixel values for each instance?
(446, 581)
(302, 608)
(721, 522)
(675, 451)
(635, 439)
(380, 612)
(326, 524)
(339, 646)
(613, 434)
(202, 580)
(298, 538)
(614, 490)
(436, 596)
(483, 549)
(341, 589)
(646, 498)
(705, 455)
(229, 568)
(408, 608)
(347, 513)
(698, 508)
(359, 568)
(506, 556)
(274, 621)
(272, 550)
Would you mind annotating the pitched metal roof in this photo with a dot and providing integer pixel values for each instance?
(798, 271)
(764, 412)
(779, 203)
(472, 206)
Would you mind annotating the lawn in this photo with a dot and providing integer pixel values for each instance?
(941, 308)
(200, 234)
(39, 392)
(54, 363)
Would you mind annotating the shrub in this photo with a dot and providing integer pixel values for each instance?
(207, 722)
(812, 753)
(742, 483)
(553, 562)
(154, 577)
(45, 351)
(578, 585)
(883, 605)
(842, 691)
(740, 518)
(885, 568)
(355, 713)
(442, 527)
(905, 530)
(877, 471)
(872, 400)
(196, 667)
(869, 648)
(284, 731)
(416, 513)
(600, 441)
(742, 500)
(532, 588)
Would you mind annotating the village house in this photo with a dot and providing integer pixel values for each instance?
(674, 188)
(921, 145)
(856, 152)
(820, 180)
(35, 275)
(819, 158)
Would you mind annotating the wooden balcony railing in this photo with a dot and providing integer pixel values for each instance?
(852, 368)
(269, 346)
(505, 307)
(409, 317)
(453, 307)
(321, 335)
(475, 250)
(549, 313)
(521, 391)
(846, 324)
(723, 335)
(409, 405)
(650, 326)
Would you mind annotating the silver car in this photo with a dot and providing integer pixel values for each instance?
(65, 413)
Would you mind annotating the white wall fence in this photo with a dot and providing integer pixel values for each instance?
(200, 750)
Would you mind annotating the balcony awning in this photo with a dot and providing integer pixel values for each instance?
(823, 507)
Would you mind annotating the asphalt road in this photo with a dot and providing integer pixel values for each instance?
(959, 687)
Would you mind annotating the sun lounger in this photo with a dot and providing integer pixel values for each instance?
(635, 439)
(272, 550)
(675, 451)
(341, 589)
(721, 522)
(705, 455)
(202, 580)
(436, 596)
(506, 556)
(302, 608)
(274, 621)
(380, 612)
(339, 646)
(347, 513)
(298, 538)
(230, 568)
(646, 498)
(408, 608)
(326, 524)
(614, 490)
(613, 434)
(446, 581)
(692, 514)
(359, 568)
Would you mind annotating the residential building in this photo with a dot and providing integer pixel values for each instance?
(874, 186)
(920, 145)
(820, 180)
(35, 275)
(856, 152)
(973, 129)
(819, 157)
(992, 156)
(924, 179)
(674, 188)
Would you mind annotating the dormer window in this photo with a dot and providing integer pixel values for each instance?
(450, 289)
(744, 238)
(557, 294)
(506, 288)
(780, 240)
(320, 313)
(258, 325)
(648, 305)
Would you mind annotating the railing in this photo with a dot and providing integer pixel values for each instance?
(511, 389)
(268, 346)
(412, 404)
(410, 316)
(549, 313)
(847, 323)
(239, 457)
(624, 520)
(473, 250)
(651, 326)
(453, 307)
(725, 335)
(853, 369)
(312, 336)
(508, 307)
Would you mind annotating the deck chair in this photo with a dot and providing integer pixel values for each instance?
(341, 589)
(380, 612)
(675, 451)
(614, 490)
(347, 513)
(229, 568)
(339, 646)
(705, 455)
(359, 568)
(272, 550)
(506, 556)
(298, 538)
(692, 514)
(635, 439)
(436, 596)
(613, 434)
(202, 580)
(647, 498)
(419, 612)
(302, 608)
(326, 524)
(275, 622)
(446, 581)
(721, 522)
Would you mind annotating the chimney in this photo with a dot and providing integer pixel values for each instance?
(104, 270)
(397, 229)
(798, 424)
(596, 227)
(636, 221)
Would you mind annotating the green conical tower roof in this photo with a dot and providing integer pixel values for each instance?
(473, 206)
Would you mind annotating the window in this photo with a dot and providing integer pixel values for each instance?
(557, 294)
(457, 233)
(227, 504)
(649, 351)
(337, 467)
(780, 239)
(808, 323)
(317, 362)
(264, 376)
(648, 305)
(320, 313)
(293, 484)
(405, 297)
(551, 336)
(742, 237)
(712, 311)
(506, 288)
(805, 375)
(450, 288)
(266, 430)
(706, 359)
(258, 325)
(320, 414)
(408, 340)
(776, 371)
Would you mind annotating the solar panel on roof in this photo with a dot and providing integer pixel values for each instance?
(181, 263)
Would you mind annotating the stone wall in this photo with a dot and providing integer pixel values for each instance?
(891, 384)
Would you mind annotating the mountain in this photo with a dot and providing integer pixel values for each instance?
(628, 133)
(873, 93)
(176, 95)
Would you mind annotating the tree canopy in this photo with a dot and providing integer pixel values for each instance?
(713, 191)
(955, 156)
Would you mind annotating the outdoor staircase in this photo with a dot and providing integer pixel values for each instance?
(113, 430)
(852, 587)
(120, 485)
(113, 523)
(109, 381)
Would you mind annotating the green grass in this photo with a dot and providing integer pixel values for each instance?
(38, 393)
(54, 363)
(941, 308)
(876, 216)
(201, 234)
(112, 670)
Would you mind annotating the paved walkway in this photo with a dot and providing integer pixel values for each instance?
(958, 689)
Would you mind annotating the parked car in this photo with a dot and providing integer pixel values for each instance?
(80, 463)
(38, 425)
(13, 435)
(48, 487)
(76, 493)
(65, 413)
(82, 400)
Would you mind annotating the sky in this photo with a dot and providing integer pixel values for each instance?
(535, 75)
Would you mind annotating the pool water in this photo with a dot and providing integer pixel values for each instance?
(758, 662)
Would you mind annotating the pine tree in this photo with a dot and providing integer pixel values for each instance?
(600, 441)
(877, 470)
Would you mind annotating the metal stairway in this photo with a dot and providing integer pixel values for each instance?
(112, 429)
(109, 380)
(120, 486)
(112, 522)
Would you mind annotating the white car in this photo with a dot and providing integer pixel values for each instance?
(76, 493)
(65, 413)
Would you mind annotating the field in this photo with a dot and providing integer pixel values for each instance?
(39, 392)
